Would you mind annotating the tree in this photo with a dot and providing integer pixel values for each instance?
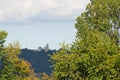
(94, 55)
(3, 35)
(103, 15)
(95, 50)
(13, 68)
(44, 76)
(86, 58)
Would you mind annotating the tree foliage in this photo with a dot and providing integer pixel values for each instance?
(94, 55)
(103, 15)
(12, 67)
(44, 76)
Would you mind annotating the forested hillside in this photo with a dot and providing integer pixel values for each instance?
(39, 59)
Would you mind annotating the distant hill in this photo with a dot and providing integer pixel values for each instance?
(39, 59)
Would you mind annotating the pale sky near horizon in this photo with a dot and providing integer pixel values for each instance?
(35, 23)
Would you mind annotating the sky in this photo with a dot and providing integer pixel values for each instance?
(36, 23)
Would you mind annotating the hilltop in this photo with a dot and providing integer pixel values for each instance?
(38, 58)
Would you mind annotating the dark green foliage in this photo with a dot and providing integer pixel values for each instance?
(38, 59)
(9, 72)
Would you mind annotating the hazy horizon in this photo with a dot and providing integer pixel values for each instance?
(42, 33)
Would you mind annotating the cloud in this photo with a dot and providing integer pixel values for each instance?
(35, 10)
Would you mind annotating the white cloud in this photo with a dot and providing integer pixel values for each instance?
(29, 10)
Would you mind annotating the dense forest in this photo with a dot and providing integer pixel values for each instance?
(39, 59)
(94, 55)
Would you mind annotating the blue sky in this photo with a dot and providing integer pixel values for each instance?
(35, 23)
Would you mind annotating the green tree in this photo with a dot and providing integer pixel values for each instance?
(44, 76)
(86, 58)
(65, 64)
(94, 55)
(103, 15)
(13, 68)
(95, 49)
(3, 35)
